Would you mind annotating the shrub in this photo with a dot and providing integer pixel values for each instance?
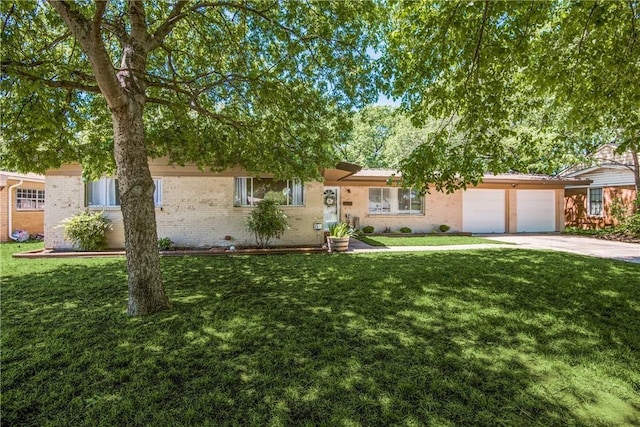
(87, 231)
(444, 228)
(340, 229)
(165, 244)
(368, 229)
(405, 230)
(619, 211)
(267, 221)
(631, 225)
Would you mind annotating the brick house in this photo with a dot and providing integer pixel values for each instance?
(612, 183)
(204, 209)
(22, 201)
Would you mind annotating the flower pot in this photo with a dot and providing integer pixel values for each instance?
(339, 244)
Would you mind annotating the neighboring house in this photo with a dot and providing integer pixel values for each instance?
(22, 198)
(508, 203)
(612, 184)
(200, 209)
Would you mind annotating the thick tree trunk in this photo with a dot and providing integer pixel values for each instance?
(146, 291)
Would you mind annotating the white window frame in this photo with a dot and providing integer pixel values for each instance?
(243, 193)
(109, 196)
(589, 201)
(390, 205)
(29, 199)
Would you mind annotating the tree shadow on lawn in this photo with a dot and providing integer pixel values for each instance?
(476, 337)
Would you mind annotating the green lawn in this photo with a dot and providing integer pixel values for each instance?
(424, 240)
(485, 337)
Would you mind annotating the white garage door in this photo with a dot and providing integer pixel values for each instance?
(483, 211)
(536, 210)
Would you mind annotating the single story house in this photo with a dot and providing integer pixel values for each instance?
(22, 203)
(206, 209)
(612, 183)
(508, 203)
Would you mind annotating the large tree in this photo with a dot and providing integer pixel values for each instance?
(553, 75)
(260, 84)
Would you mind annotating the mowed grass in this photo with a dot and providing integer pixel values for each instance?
(486, 337)
(424, 240)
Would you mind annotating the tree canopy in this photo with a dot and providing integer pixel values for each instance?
(490, 71)
(261, 84)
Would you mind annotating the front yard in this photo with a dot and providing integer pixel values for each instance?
(483, 337)
(437, 240)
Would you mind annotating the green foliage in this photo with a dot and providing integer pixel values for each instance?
(340, 229)
(512, 84)
(631, 225)
(267, 221)
(405, 230)
(264, 85)
(165, 244)
(277, 196)
(618, 209)
(368, 229)
(86, 230)
(444, 228)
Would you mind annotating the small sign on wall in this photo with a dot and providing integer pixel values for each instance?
(347, 203)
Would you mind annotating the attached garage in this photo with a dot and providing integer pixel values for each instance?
(536, 210)
(483, 211)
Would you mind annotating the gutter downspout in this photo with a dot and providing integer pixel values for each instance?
(10, 207)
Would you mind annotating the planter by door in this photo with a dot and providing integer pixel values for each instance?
(339, 244)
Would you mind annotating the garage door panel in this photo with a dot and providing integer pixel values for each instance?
(483, 211)
(536, 210)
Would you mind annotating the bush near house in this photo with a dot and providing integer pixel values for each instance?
(627, 231)
(368, 229)
(87, 231)
(405, 230)
(267, 221)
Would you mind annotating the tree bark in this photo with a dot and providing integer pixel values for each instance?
(146, 291)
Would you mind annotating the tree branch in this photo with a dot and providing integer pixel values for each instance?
(475, 63)
(137, 16)
(88, 35)
(163, 30)
(177, 15)
(8, 16)
(68, 84)
(634, 34)
(586, 27)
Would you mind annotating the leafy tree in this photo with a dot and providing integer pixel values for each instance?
(267, 221)
(486, 69)
(366, 145)
(260, 84)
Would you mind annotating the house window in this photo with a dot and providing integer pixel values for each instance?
(249, 191)
(395, 201)
(595, 201)
(28, 199)
(105, 193)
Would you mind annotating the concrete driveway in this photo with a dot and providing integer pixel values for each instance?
(575, 244)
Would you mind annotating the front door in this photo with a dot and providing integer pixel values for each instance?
(331, 206)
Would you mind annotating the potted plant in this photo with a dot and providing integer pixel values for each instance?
(339, 233)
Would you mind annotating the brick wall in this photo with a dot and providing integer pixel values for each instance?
(29, 220)
(575, 206)
(197, 211)
(439, 208)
